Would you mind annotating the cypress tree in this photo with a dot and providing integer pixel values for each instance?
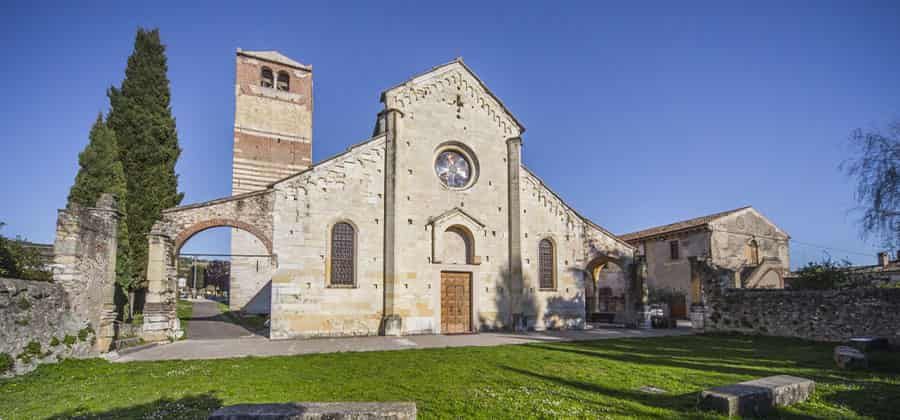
(141, 117)
(100, 171)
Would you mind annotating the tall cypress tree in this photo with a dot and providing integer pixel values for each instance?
(100, 171)
(142, 119)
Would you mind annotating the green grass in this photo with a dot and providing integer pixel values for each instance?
(599, 379)
(184, 309)
(252, 322)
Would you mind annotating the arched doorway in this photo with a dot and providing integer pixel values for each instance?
(606, 289)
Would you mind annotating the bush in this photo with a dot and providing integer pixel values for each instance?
(823, 275)
(54, 342)
(84, 333)
(20, 261)
(6, 363)
(69, 340)
(32, 350)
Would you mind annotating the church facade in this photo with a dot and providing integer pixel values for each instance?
(431, 226)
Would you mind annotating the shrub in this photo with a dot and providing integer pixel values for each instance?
(54, 342)
(23, 322)
(32, 350)
(84, 333)
(19, 260)
(825, 274)
(6, 362)
(69, 340)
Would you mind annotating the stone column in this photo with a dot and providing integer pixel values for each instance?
(391, 322)
(514, 284)
(642, 299)
(160, 317)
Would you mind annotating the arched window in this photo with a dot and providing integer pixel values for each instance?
(284, 81)
(546, 271)
(266, 78)
(343, 250)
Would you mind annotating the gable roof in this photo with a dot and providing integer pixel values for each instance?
(458, 61)
(678, 226)
(275, 57)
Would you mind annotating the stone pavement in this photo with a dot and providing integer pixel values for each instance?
(208, 323)
(258, 346)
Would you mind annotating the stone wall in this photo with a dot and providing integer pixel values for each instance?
(820, 315)
(37, 326)
(85, 263)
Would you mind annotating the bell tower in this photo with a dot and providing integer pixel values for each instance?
(272, 140)
(272, 119)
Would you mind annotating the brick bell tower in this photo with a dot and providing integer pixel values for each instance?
(272, 119)
(273, 107)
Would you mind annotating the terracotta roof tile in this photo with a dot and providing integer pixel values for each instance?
(677, 226)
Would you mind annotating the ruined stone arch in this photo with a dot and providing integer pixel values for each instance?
(251, 212)
(198, 227)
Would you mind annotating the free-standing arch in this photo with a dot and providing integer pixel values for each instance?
(251, 212)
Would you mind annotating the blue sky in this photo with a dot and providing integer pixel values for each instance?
(638, 115)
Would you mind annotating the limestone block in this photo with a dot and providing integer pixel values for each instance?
(757, 397)
(316, 411)
(849, 358)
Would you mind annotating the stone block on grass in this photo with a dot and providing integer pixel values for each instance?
(850, 358)
(318, 411)
(758, 397)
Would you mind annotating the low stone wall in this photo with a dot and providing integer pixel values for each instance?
(37, 326)
(820, 315)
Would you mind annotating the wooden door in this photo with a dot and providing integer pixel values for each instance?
(456, 302)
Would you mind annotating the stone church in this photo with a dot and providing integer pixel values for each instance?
(432, 225)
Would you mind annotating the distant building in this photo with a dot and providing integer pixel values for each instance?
(885, 272)
(742, 240)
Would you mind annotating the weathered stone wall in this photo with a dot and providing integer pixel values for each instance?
(732, 234)
(346, 188)
(545, 215)
(830, 315)
(663, 272)
(37, 325)
(85, 263)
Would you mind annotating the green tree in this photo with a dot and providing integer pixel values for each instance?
(142, 119)
(824, 275)
(100, 171)
(20, 261)
(876, 168)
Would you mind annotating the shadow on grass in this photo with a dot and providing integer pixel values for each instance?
(871, 392)
(189, 407)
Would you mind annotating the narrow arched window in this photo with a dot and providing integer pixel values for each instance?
(284, 81)
(266, 78)
(343, 250)
(545, 265)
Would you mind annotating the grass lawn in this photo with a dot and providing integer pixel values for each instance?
(599, 379)
(184, 309)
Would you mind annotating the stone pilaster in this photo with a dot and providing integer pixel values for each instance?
(514, 279)
(160, 318)
(391, 323)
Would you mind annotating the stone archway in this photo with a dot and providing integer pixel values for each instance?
(251, 212)
(607, 288)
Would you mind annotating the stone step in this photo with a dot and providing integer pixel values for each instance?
(758, 397)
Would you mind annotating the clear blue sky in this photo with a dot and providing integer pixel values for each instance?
(636, 115)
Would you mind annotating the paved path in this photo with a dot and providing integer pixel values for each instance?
(259, 346)
(208, 323)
